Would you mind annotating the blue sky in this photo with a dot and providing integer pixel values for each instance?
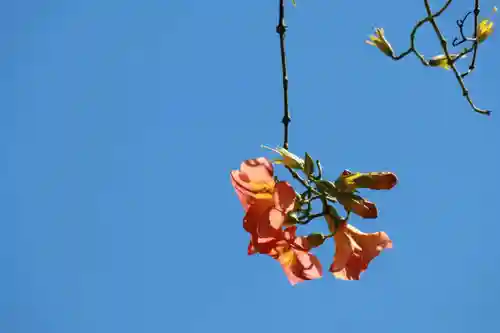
(120, 122)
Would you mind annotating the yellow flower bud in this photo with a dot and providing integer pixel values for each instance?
(485, 28)
(381, 42)
(442, 61)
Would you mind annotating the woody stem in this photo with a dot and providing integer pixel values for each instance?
(281, 30)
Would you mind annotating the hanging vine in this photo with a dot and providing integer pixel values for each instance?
(275, 210)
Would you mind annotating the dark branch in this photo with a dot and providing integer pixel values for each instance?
(281, 30)
(431, 18)
(444, 46)
(311, 217)
(476, 41)
(413, 35)
(460, 24)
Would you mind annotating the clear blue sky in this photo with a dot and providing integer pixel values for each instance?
(120, 122)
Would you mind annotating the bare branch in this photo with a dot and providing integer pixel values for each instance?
(281, 30)
(451, 63)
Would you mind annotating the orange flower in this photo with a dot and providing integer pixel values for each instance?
(254, 180)
(265, 217)
(264, 221)
(354, 250)
(267, 205)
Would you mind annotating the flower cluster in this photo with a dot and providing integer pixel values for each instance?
(274, 211)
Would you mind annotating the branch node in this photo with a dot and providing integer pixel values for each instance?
(281, 28)
(286, 120)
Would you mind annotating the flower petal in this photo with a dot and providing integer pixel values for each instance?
(258, 170)
(244, 196)
(344, 249)
(247, 190)
(257, 211)
(251, 249)
(372, 244)
(284, 197)
(253, 180)
(292, 278)
(299, 243)
(276, 219)
(300, 266)
(308, 266)
(258, 223)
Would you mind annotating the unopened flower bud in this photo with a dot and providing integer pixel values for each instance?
(442, 61)
(376, 180)
(381, 42)
(485, 28)
(358, 206)
(315, 240)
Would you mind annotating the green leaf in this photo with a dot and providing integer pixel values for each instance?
(308, 165)
(327, 187)
(288, 159)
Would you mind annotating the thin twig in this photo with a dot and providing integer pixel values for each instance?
(413, 35)
(297, 177)
(476, 41)
(281, 30)
(460, 24)
(311, 217)
(444, 45)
